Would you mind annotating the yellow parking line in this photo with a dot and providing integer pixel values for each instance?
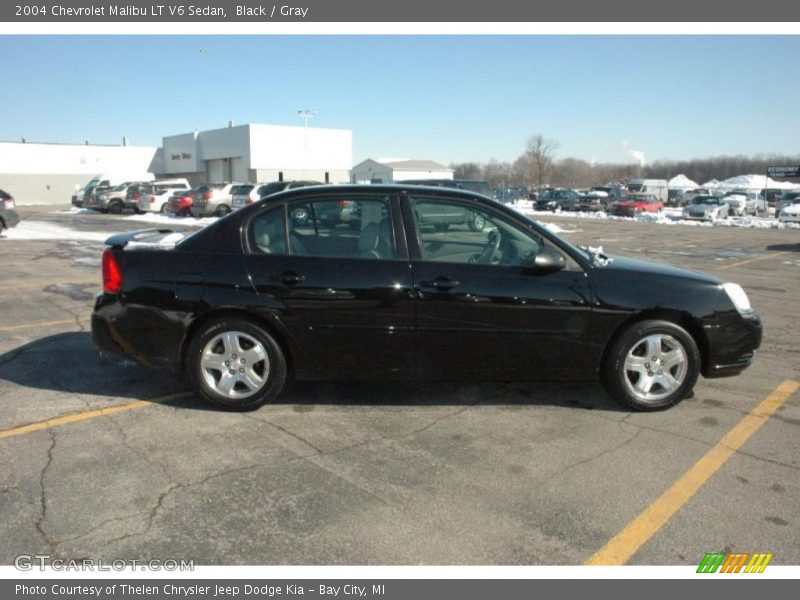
(744, 262)
(39, 324)
(89, 414)
(628, 541)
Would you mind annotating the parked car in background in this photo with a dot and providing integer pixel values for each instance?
(180, 203)
(213, 199)
(790, 213)
(253, 300)
(510, 194)
(772, 196)
(706, 208)
(634, 204)
(613, 192)
(248, 193)
(689, 194)
(657, 187)
(558, 199)
(737, 203)
(786, 199)
(593, 201)
(154, 196)
(745, 202)
(91, 196)
(9, 217)
(109, 199)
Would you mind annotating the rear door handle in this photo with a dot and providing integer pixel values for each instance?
(440, 283)
(289, 278)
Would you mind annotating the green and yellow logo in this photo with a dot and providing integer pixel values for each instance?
(734, 562)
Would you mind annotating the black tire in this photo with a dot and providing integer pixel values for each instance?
(222, 210)
(208, 382)
(665, 390)
(115, 208)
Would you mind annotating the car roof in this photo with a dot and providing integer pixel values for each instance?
(380, 188)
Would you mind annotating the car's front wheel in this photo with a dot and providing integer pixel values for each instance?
(652, 365)
(235, 364)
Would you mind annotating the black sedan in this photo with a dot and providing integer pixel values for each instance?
(276, 291)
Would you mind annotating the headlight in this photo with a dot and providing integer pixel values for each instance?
(737, 296)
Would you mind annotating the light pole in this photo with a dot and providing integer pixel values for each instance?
(306, 114)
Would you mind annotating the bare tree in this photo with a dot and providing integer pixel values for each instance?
(541, 151)
(466, 170)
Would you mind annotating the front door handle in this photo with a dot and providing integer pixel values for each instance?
(289, 278)
(440, 283)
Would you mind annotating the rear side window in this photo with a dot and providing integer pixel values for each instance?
(267, 232)
(342, 227)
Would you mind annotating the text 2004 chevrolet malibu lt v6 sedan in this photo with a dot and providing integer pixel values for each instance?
(280, 289)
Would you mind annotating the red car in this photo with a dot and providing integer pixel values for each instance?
(180, 203)
(633, 204)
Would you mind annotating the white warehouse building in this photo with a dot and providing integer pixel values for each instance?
(386, 170)
(256, 152)
(36, 173)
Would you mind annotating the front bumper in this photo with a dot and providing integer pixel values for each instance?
(732, 343)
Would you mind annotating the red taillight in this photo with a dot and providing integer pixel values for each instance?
(112, 278)
(9, 203)
(249, 200)
(152, 199)
(343, 203)
(136, 196)
(207, 196)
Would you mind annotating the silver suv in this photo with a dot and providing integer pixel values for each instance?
(213, 199)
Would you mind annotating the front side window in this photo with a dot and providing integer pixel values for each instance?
(343, 227)
(455, 232)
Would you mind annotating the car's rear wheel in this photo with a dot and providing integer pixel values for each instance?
(652, 365)
(115, 208)
(222, 210)
(234, 364)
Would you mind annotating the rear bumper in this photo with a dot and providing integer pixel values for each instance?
(138, 333)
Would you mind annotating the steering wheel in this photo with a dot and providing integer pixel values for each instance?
(492, 246)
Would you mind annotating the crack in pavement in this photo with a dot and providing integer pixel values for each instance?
(51, 544)
(562, 470)
(284, 430)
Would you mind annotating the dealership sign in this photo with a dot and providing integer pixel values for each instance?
(785, 171)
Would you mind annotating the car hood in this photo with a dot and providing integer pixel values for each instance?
(792, 209)
(702, 207)
(648, 267)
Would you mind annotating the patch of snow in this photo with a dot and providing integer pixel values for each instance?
(682, 181)
(750, 182)
(38, 230)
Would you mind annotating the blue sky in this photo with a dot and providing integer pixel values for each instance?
(446, 98)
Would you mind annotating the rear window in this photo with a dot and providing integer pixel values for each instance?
(271, 188)
(241, 190)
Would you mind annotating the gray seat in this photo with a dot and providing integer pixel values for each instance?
(375, 240)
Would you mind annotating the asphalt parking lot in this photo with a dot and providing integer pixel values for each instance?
(106, 459)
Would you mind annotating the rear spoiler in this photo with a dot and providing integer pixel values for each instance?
(121, 240)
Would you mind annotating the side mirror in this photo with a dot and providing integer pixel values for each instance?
(546, 260)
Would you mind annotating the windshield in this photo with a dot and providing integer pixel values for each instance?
(705, 200)
(636, 187)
